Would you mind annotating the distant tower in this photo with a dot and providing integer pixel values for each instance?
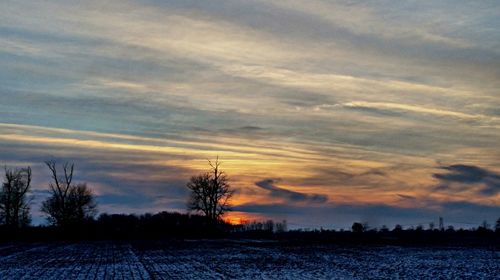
(441, 224)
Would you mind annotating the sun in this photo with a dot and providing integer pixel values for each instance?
(234, 220)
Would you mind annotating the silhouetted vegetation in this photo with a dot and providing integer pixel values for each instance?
(14, 205)
(165, 225)
(69, 205)
(210, 193)
(71, 208)
(357, 228)
(259, 229)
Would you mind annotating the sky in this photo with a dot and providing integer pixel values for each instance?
(322, 112)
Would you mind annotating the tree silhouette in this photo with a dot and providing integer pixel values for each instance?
(484, 226)
(69, 204)
(431, 226)
(398, 228)
(281, 227)
(210, 192)
(269, 226)
(384, 229)
(14, 206)
(357, 227)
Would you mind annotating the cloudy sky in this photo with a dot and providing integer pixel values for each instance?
(322, 112)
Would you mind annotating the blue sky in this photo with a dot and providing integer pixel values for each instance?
(370, 106)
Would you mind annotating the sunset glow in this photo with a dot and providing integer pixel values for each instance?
(318, 117)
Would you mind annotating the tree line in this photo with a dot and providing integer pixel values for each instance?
(68, 203)
(72, 205)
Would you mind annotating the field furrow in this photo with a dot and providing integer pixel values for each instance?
(241, 260)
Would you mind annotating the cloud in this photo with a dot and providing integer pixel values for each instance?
(351, 209)
(140, 93)
(397, 109)
(406, 197)
(292, 196)
(250, 128)
(460, 176)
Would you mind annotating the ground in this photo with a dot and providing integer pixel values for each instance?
(241, 260)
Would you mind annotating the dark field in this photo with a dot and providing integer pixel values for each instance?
(242, 260)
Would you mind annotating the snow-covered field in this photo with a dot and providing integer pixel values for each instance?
(241, 260)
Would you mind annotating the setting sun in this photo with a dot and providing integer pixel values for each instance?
(321, 112)
(234, 221)
(313, 120)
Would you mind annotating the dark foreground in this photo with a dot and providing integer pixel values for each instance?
(241, 260)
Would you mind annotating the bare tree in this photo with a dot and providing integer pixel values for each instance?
(69, 204)
(14, 205)
(210, 192)
(485, 225)
(281, 227)
(269, 226)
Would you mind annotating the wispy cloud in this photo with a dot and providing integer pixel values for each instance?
(395, 107)
(345, 99)
(289, 195)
